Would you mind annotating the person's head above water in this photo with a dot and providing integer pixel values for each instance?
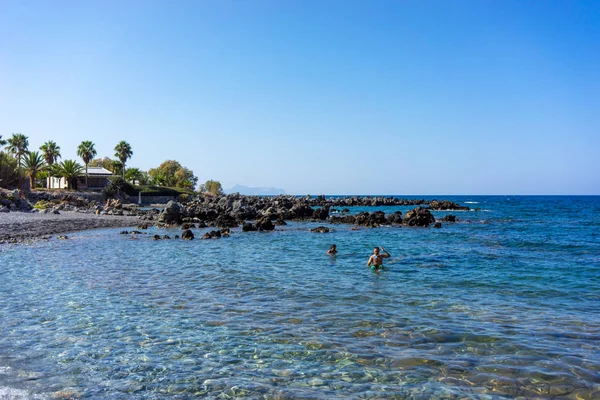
(376, 250)
(332, 247)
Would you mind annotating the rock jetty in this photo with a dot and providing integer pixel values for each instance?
(259, 213)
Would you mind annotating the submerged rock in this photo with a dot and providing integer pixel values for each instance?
(187, 234)
(320, 229)
(248, 227)
(212, 235)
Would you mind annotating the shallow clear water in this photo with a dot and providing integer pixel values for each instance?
(504, 303)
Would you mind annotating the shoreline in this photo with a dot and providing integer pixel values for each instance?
(17, 227)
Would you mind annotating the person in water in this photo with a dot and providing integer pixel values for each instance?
(376, 259)
(332, 250)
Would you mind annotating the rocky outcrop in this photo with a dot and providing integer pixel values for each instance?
(248, 227)
(264, 224)
(321, 213)
(230, 211)
(395, 218)
(212, 235)
(320, 229)
(443, 205)
(418, 217)
(187, 234)
(171, 214)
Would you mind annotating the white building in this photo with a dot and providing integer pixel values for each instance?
(97, 180)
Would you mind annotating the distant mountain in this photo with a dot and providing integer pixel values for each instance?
(255, 191)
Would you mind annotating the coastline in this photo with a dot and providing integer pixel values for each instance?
(22, 226)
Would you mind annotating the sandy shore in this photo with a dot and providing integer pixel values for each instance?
(19, 226)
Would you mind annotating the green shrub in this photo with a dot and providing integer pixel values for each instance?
(118, 185)
(162, 191)
(43, 204)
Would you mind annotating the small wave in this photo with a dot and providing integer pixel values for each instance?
(15, 394)
(471, 202)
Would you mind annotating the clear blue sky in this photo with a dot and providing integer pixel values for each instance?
(406, 97)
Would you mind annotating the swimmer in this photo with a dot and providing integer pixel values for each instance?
(332, 250)
(376, 259)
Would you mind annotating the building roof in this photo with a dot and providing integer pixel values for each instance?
(98, 171)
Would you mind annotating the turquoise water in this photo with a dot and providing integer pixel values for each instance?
(505, 303)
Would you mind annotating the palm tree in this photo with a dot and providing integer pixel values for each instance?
(18, 144)
(34, 163)
(70, 170)
(123, 152)
(51, 153)
(133, 175)
(86, 151)
(2, 142)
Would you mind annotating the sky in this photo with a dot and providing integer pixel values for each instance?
(317, 97)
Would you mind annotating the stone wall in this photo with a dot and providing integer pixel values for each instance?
(147, 200)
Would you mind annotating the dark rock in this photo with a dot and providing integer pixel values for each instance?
(320, 229)
(187, 225)
(321, 213)
(212, 235)
(136, 233)
(124, 232)
(300, 211)
(437, 225)
(280, 222)
(418, 217)
(345, 210)
(446, 205)
(156, 237)
(395, 218)
(226, 221)
(176, 236)
(346, 219)
(225, 232)
(171, 213)
(449, 218)
(264, 224)
(248, 227)
(187, 234)
(372, 220)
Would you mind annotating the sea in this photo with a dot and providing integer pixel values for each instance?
(504, 303)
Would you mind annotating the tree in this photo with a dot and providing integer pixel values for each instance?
(132, 175)
(171, 173)
(51, 153)
(70, 170)
(116, 167)
(2, 142)
(144, 178)
(33, 163)
(105, 163)
(212, 187)
(87, 152)
(123, 152)
(9, 175)
(18, 144)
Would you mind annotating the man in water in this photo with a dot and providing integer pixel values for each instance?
(332, 250)
(376, 259)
